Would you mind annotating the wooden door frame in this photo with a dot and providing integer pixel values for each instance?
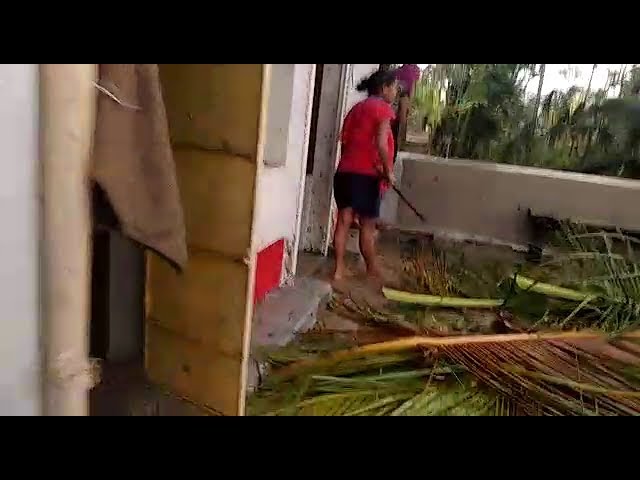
(347, 71)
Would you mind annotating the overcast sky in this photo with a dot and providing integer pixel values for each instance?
(553, 79)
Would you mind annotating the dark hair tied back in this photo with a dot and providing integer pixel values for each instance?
(374, 84)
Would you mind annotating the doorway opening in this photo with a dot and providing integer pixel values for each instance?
(322, 155)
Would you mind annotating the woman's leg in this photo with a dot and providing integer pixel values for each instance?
(345, 218)
(368, 232)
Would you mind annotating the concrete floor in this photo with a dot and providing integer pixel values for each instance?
(124, 391)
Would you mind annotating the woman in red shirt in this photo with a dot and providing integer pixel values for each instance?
(365, 168)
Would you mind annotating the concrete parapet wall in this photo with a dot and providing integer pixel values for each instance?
(488, 201)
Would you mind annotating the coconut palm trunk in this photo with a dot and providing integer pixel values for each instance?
(588, 91)
(534, 121)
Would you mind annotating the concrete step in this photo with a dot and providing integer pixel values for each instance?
(283, 314)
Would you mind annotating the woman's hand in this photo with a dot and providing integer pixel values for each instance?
(388, 176)
(391, 178)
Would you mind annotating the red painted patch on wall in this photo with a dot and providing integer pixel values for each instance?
(268, 270)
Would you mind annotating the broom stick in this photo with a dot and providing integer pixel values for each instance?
(405, 199)
(409, 204)
(410, 343)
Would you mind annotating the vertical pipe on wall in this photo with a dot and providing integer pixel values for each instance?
(67, 121)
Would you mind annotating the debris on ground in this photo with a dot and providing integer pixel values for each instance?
(556, 337)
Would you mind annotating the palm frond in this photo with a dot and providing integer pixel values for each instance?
(589, 281)
(551, 378)
(603, 279)
(426, 272)
(576, 373)
(438, 301)
(592, 281)
(361, 310)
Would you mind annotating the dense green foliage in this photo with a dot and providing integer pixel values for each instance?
(482, 111)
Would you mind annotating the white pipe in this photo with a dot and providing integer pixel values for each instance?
(67, 123)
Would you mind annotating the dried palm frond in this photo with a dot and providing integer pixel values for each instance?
(552, 378)
(362, 311)
(594, 282)
(393, 384)
(581, 258)
(574, 373)
(612, 274)
(414, 321)
(437, 287)
(591, 280)
(410, 321)
(426, 272)
(404, 393)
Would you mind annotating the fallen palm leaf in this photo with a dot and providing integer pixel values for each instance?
(552, 290)
(566, 373)
(613, 309)
(594, 285)
(363, 311)
(411, 343)
(394, 386)
(435, 301)
(427, 272)
(409, 322)
(348, 337)
(552, 378)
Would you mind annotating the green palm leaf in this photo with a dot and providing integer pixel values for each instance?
(602, 271)
(560, 374)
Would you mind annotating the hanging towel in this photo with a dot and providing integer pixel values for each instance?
(133, 162)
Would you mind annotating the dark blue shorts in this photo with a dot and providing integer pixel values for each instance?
(359, 192)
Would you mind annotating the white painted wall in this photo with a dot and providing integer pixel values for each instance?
(279, 114)
(20, 392)
(391, 201)
(280, 189)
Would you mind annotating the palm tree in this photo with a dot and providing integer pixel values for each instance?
(534, 122)
(623, 74)
(481, 111)
(586, 93)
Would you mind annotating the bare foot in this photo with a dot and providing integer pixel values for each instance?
(375, 280)
(338, 278)
(339, 285)
(338, 275)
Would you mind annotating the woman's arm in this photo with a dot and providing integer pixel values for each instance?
(384, 130)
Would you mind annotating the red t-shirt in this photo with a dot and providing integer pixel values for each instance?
(359, 133)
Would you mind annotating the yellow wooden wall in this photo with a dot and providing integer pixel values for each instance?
(198, 323)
